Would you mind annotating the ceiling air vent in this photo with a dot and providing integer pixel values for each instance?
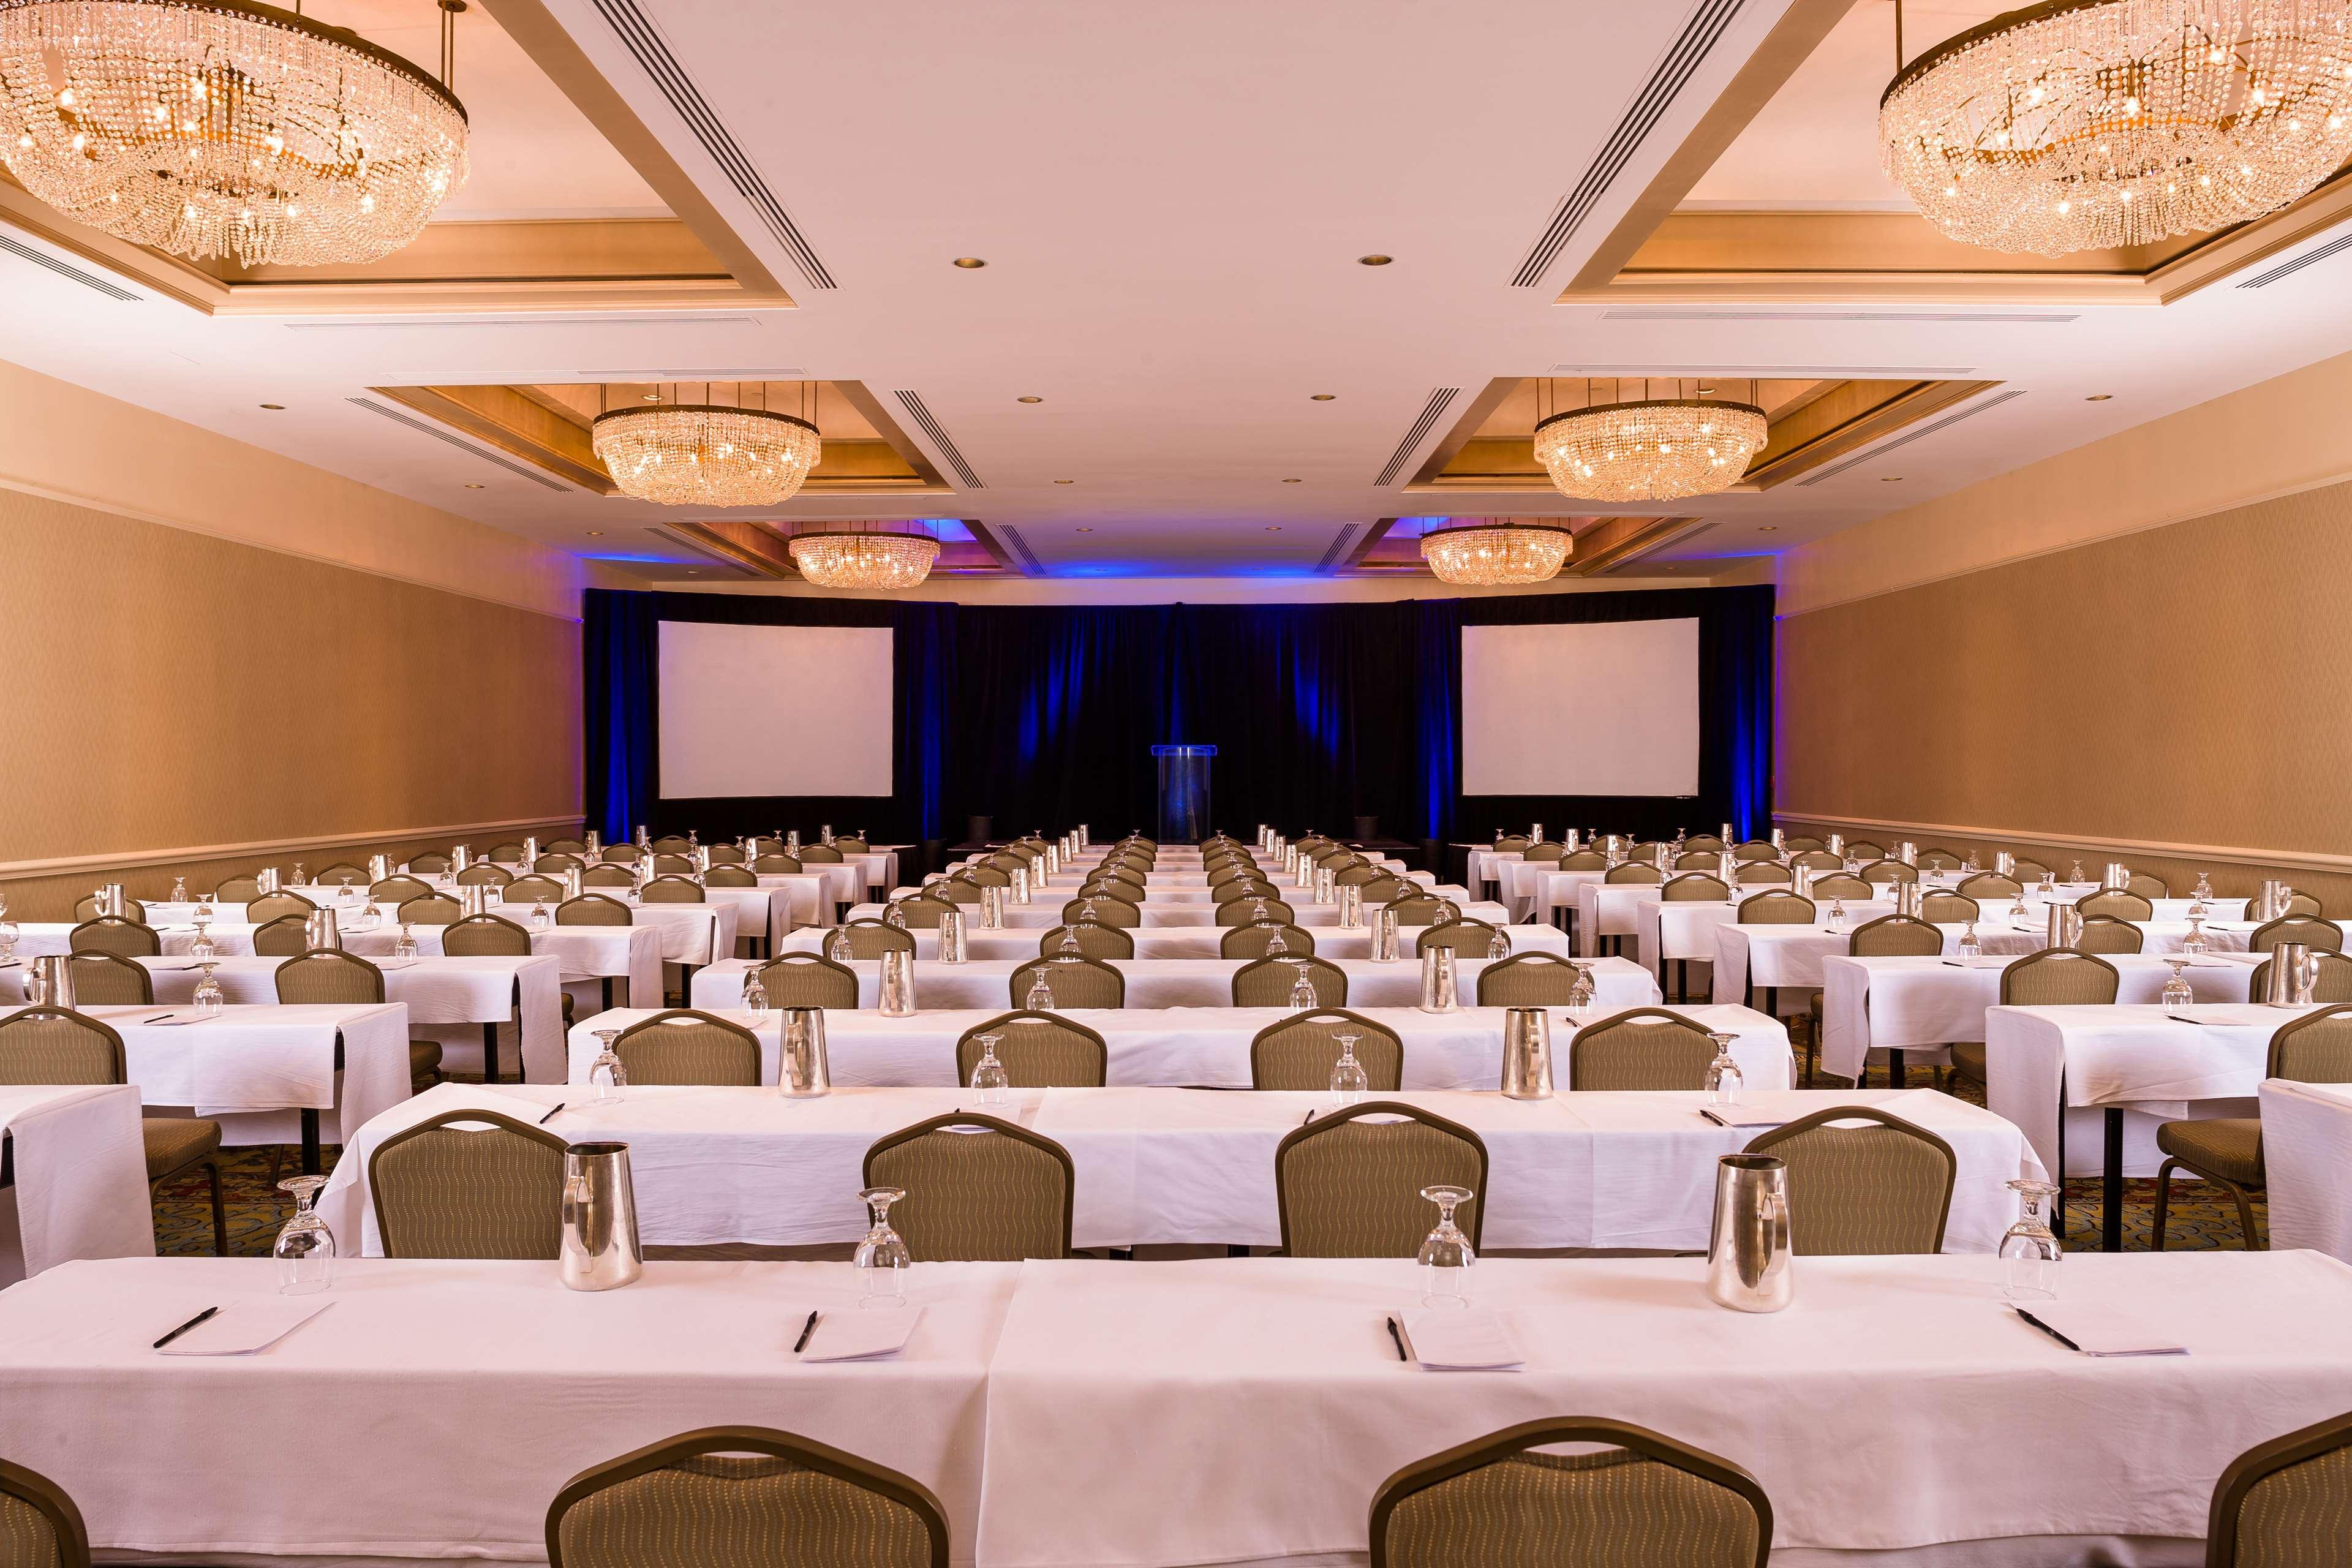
(65, 269)
(425, 427)
(1020, 547)
(913, 404)
(1438, 400)
(2289, 269)
(1338, 551)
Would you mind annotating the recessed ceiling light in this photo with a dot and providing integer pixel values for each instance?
(275, 408)
(1322, 397)
(477, 487)
(1065, 481)
(1375, 260)
(2100, 397)
(1031, 400)
(653, 397)
(1293, 481)
(1767, 528)
(595, 534)
(970, 263)
(1891, 479)
(1086, 531)
(1274, 528)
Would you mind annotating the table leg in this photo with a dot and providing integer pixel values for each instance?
(1894, 1068)
(608, 993)
(311, 1161)
(2111, 1190)
(1682, 979)
(2058, 1203)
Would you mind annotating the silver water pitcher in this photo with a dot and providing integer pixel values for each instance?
(2271, 903)
(1085, 836)
(379, 867)
(1307, 869)
(2292, 974)
(1323, 884)
(897, 984)
(1052, 860)
(1527, 1054)
(1908, 852)
(1384, 934)
(1724, 833)
(266, 879)
(599, 1250)
(792, 842)
(2118, 876)
(2004, 864)
(1568, 841)
(1836, 845)
(951, 944)
(320, 929)
(1038, 868)
(531, 850)
(1727, 867)
(2066, 926)
(1437, 988)
(1020, 884)
(1748, 1256)
(992, 907)
(1779, 838)
(1351, 906)
(1664, 858)
(112, 900)
(1535, 833)
(575, 882)
(461, 856)
(595, 842)
(825, 833)
(1800, 881)
(643, 838)
(50, 982)
(1911, 899)
(473, 898)
(802, 1070)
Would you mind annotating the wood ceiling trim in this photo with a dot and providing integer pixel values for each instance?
(1851, 416)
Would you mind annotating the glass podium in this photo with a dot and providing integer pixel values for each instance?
(1183, 793)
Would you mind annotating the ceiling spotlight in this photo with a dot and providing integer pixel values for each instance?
(595, 534)
(1030, 400)
(1891, 479)
(477, 487)
(1322, 396)
(970, 263)
(275, 408)
(1767, 528)
(1375, 260)
(1085, 530)
(1293, 481)
(1274, 528)
(1065, 481)
(2100, 397)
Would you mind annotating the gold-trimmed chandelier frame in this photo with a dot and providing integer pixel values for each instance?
(904, 562)
(753, 469)
(1524, 563)
(1650, 465)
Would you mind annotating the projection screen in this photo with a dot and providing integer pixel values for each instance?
(1588, 707)
(749, 710)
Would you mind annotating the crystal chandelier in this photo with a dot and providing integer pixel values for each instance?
(875, 561)
(1651, 448)
(2093, 124)
(1489, 551)
(706, 454)
(224, 128)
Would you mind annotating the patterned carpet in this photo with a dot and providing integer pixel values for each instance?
(2200, 1215)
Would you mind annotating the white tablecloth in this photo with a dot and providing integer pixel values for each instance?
(1048, 912)
(1180, 941)
(254, 1068)
(434, 1410)
(1172, 1165)
(1617, 983)
(79, 1176)
(1205, 1047)
(2135, 1057)
(816, 892)
(1536, 888)
(1898, 1404)
(2307, 1157)
(1923, 1005)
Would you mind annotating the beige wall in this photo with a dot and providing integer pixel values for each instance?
(173, 696)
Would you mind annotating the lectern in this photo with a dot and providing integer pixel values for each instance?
(1183, 793)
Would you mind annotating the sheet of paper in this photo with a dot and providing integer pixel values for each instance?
(1462, 1339)
(245, 1326)
(2100, 1331)
(859, 1334)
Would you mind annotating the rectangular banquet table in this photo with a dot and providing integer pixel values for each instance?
(2307, 1161)
(1898, 1405)
(1207, 1048)
(1026, 942)
(1164, 912)
(748, 1166)
(434, 1408)
(1617, 983)
(690, 933)
(73, 1176)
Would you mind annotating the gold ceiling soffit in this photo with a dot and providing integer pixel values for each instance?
(1602, 546)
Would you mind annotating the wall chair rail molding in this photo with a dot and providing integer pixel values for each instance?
(18, 870)
(2220, 854)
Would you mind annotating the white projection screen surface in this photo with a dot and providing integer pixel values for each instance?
(1588, 707)
(773, 709)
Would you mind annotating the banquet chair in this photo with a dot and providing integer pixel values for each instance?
(1889, 871)
(2105, 933)
(531, 890)
(2146, 885)
(1241, 888)
(820, 854)
(1468, 938)
(55, 1046)
(565, 846)
(668, 844)
(979, 1190)
(2322, 936)
(282, 938)
(1585, 860)
(670, 890)
(1940, 860)
(808, 980)
(110, 933)
(2054, 977)
(1707, 841)
(608, 875)
(1755, 849)
(1415, 908)
(1986, 885)
(1347, 1184)
(105, 980)
(673, 865)
(1800, 846)
(868, 938)
(328, 977)
(923, 912)
(1697, 860)
(985, 875)
(2301, 904)
(2334, 985)
(132, 910)
(1039, 1050)
(1755, 873)
(1543, 854)
(1252, 941)
(1297, 1053)
(1643, 1498)
(2282, 1504)
(1939, 908)
(482, 874)
(1510, 844)
(2121, 905)
(740, 1495)
(852, 846)
(266, 907)
(1387, 887)
(1256, 911)
(1640, 1048)
(1357, 874)
(1269, 982)
(336, 875)
(470, 1184)
(39, 1526)
(1818, 859)
(1102, 912)
(486, 936)
(2228, 1150)
(687, 1046)
(1777, 909)
(510, 850)
(593, 909)
(434, 909)
(776, 863)
(1840, 885)
(1526, 980)
(958, 890)
(238, 890)
(1863, 849)
(1877, 1189)
(555, 864)
(620, 852)
(728, 876)
(1895, 936)
(1006, 862)
(1646, 851)
(428, 864)
(2029, 870)
(1694, 887)
(396, 890)
(725, 855)
(1075, 981)
(1633, 872)
(1111, 888)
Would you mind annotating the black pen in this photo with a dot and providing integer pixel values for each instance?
(2201, 1022)
(2047, 1330)
(807, 1329)
(184, 1328)
(1397, 1339)
(1310, 1116)
(550, 1115)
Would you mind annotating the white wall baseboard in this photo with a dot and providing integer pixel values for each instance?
(2237, 855)
(18, 870)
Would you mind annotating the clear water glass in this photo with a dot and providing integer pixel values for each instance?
(1041, 994)
(1579, 996)
(2074, 873)
(541, 917)
(755, 997)
(2176, 991)
(305, 1250)
(1275, 946)
(837, 948)
(346, 893)
(989, 1079)
(2204, 889)
(1498, 945)
(8, 934)
(1349, 1081)
(881, 1258)
(606, 1076)
(179, 890)
(300, 877)
(1302, 991)
(1069, 943)
(1723, 1075)
(2029, 1251)
(209, 999)
(1445, 1257)
(202, 945)
(1968, 946)
(1837, 914)
(2195, 942)
(404, 945)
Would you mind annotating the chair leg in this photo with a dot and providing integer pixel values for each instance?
(2245, 1217)
(220, 1214)
(2163, 1203)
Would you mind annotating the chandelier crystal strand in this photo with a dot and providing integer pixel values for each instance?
(2094, 124)
(228, 130)
(1491, 553)
(696, 454)
(1657, 449)
(875, 561)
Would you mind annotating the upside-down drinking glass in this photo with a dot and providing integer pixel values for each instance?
(2029, 1251)
(1302, 991)
(755, 997)
(1579, 996)
(1041, 994)
(1445, 1256)
(2195, 942)
(201, 945)
(989, 1079)
(179, 890)
(1968, 946)
(1498, 945)
(609, 1079)
(2176, 991)
(404, 945)
(305, 1250)
(881, 1258)
(209, 999)
(1723, 1075)
(1349, 1081)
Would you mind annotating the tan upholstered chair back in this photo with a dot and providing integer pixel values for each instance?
(1895, 936)
(1348, 1182)
(2286, 1503)
(1297, 1053)
(1889, 871)
(1079, 982)
(486, 936)
(328, 977)
(1694, 888)
(1777, 909)
(1000, 1193)
(1258, 908)
(1764, 873)
(39, 1525)
(2105, 933)
(1039, 1050)
(1107, 911)
(51, 1045)
(531, 890)
(1269, 982)
(108, 934)
(1986, 885)
(398, 891)
(2334, 985)
(1642, 1048)
(2316, 1047)
(2120, 906)
(1634, 872)
(1468, 938)
(443, 1190)
(105, 980)
(1941, 908)
(808, 980)
(282, 938)
(1526, 980)
(2324, 936)
(1840, 885)
(670, 890)
(607, 876)
(869, 938)
(433, 910)
(683, 1046)
(593, 909)
(1883, 1187)
(132, 910)
(2058, 977)
(1094, 939)
(482, 874)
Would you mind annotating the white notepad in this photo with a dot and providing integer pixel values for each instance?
(858, 1333)
(246, 1326)
(2098, 1331)
(1461, 1339)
